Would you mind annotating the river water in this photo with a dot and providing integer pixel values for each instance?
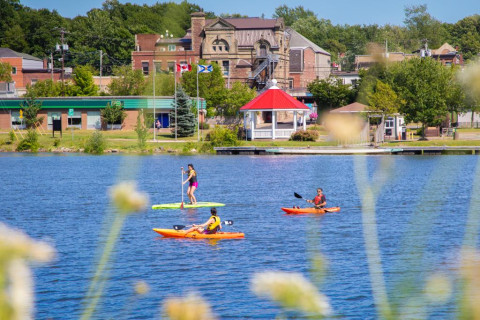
(421, 207)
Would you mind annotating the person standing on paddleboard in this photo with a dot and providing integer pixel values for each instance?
(213, 225)
(192, 178)
(319, 201)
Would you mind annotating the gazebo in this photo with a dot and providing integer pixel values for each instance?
(269, 116)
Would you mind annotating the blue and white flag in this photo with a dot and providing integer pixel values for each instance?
(205, 69)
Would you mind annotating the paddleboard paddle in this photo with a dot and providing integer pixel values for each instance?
(181, 206)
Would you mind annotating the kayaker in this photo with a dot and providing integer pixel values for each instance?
(213, 225)
(319, 201)
(192, 178)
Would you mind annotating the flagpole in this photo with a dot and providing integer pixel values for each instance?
(154, 113)
(198, 110)
(176, 120)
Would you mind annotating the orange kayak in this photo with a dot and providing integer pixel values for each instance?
(310, 210)
(172, 233)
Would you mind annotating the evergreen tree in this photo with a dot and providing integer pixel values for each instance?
(185, 119)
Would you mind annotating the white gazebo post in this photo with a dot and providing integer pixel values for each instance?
(295, 121)
(304, 120)
(252, 125)
(274, 123)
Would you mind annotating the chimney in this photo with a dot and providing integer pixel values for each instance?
(198, 23)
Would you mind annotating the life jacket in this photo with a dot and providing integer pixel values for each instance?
(215, 225)
(194, 177)
(318, 199)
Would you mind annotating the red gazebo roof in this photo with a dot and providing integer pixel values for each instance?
(274, 99)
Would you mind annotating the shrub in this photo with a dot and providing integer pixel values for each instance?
(12, 136)
(204, 126)
(187, 147)
(96, 144)
(304, 135)
(222, 137)
(56, 142)
(30, 142)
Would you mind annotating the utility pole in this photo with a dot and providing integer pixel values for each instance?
(51, 64)
(101, 58)
(62, 48)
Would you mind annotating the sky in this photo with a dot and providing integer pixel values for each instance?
(350, 12)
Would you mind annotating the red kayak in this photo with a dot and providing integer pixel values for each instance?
(310, 210)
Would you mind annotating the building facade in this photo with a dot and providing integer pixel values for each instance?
(26, 70)
(250, 50)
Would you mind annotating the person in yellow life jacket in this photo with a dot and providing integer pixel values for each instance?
(213, 225)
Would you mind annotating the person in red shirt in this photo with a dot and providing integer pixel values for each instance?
(319, 201)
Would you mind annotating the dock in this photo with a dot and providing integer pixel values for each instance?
(437, 150)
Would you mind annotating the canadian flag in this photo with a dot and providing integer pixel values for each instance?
(183, 67)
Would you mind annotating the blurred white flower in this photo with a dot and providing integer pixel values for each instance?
(20, 289)
(191, 307)
(141, 288)
(292, 291)
(127, 199)
(470, 77)
(438, 288)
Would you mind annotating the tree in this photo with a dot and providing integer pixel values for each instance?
(5, 72)
(113, 113)
(330, 93)
(30, 109)
(238, 96)
(84, 85)
(211, 86)
(129, 82)
(144, 123)
(424, 86)
(421, 25)
(184, 120)
(164, 85)
(290, 15)
(383, 99)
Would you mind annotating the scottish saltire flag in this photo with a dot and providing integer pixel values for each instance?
(205, 69)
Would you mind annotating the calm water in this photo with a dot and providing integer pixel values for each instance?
(62, 199)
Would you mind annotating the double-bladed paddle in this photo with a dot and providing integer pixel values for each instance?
(300, 197)
(180, 226)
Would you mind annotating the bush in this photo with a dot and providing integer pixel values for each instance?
(204, 126)
(30, 142)
(96, 144)
(187, 147)
(12, 136)
(222, 137)
(304, 135)
(56, 142)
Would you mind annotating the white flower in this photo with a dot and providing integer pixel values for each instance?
(438, 288)
(292, 291)
(191, 307)
(127, 199)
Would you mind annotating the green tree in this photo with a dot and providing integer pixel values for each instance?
(238, 96)
(184, 120)
(128, 82)
(113, 113)
(330, 93)
(424, 85)
(211, 86)
(421, 25)
(290, 15)
(5, 72)
(44, 88)
(164, 85)
(383, 99)
(31, 107)
(144, 123)
(84, 85)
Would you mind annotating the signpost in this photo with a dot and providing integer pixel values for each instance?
(70, 114)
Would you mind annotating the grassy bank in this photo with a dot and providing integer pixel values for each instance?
(126, 142)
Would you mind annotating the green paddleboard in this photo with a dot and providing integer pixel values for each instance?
(186, 206)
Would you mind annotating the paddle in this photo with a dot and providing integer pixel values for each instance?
(180, 226)
(181, 205)
(300, 197)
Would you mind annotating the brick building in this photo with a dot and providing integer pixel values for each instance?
(249, 50)
(26, 69)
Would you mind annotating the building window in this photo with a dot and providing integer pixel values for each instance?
(53, 116)
(33, 81)
(226, 67)
(222, 45)
(17, 123)
(158, 66)
(389, 122)
(163, 49)
(171, 47)
(145, 68)
(94, 120)
(263, 50)
(75, 121)
(14, 70)
(171, 66)
(290, 83)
